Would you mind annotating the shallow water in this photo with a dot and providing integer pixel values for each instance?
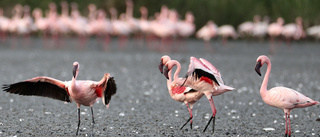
(142, 105)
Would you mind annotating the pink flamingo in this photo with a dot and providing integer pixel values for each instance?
(4, 25)
(185, 28)
(40, 22)
(177, 91)
(293, 30)
(226, 31)
(275, 30)
(260, 27)
(281, 97)
(204, 77)
(83, 92)
(207, 32)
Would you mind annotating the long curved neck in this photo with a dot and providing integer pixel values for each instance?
(176, 73)
(169, 83)
(264, 84)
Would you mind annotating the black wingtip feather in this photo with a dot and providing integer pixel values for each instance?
(199, 73)
(44, 89)
(110, 90)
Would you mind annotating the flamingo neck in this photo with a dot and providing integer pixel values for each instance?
(170, 84)
(176, 73)
(73, 82)
(263, 88)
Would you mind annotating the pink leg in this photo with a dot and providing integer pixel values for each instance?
(191, 116)
(214, 111)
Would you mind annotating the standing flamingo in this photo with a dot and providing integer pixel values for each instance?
(204, 77)
(83, 92)
(179, 93)
(226, 31)
(281, 97)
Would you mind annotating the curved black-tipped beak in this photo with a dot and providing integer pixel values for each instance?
(166, 71)
(160, 66)
(74, 71)
(258, 66)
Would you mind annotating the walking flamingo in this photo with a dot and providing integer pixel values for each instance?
(83, 92)
(204, 77)
(281, 97)
(178, 92)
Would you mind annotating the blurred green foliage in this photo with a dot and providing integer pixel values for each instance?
(221, 12)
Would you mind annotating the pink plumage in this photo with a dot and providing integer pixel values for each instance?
(281, 97)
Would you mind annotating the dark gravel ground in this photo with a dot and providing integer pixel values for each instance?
(142, 105)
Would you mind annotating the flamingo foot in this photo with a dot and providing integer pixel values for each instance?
(186, 123)
(212, 118)
(285, 135)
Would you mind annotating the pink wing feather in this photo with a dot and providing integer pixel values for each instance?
(210, 66)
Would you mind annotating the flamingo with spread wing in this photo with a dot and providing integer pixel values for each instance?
(83, 92)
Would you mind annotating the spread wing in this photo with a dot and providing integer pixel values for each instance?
(198, 69)
(214, 70)
(40, 86)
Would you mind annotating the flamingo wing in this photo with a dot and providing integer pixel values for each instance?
(200, 70)
(40, 86)
(110, 90)
(105, 88)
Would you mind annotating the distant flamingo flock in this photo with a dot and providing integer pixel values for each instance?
(164, 25)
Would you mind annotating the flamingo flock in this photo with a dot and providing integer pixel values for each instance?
(165, 25)
(201, 79)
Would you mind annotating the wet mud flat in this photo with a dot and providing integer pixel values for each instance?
(143, 106)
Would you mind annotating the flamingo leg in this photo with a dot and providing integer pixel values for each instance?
(286, 133)
(78, 121)
(92, 120)
(190, 119)
(214, 111)
(289, 126)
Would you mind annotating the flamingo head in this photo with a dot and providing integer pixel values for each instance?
(75, 69)
(163, 61)
(258, 66)
(260, 61)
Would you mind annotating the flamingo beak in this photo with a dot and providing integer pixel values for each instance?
(258, 66)
(74, 71)
(166, 71)
(160, 66)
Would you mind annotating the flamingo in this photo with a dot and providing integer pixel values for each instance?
(83, 92)
(226, 31)
(185, 28)
(179, 93)
(40, 22)
(314, 31)
(4, 25)
(281, 97)
(293, 30)
(204, 77)
(261, 27)
(207, 32)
